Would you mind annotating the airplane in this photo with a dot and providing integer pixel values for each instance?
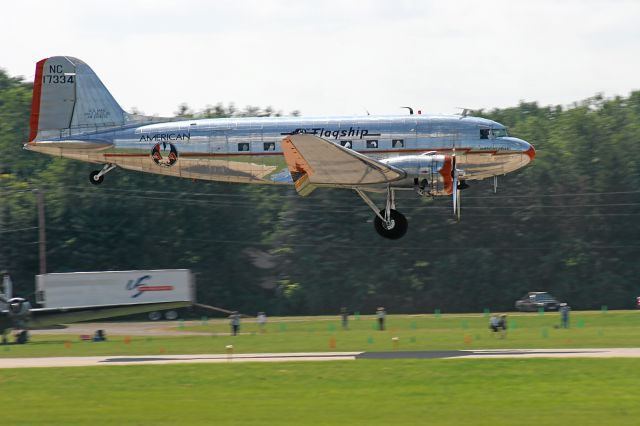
(74, 116)
(16, 313)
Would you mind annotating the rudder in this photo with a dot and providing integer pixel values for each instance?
(69, 98)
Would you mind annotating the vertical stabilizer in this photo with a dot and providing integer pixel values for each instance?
(69, 98)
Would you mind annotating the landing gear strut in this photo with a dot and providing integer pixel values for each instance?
(388, 222)
(97, 176)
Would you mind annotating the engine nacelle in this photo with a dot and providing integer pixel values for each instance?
(19, 308)
(429, 172)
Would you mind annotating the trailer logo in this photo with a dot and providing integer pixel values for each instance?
(140, 286)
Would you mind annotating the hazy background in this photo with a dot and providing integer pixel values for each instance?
(335, 57)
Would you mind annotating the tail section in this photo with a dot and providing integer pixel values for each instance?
(69, 98)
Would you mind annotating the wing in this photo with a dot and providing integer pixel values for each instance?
(313, 162)
(46, 317)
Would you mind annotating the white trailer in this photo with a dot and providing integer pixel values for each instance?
(68, 290)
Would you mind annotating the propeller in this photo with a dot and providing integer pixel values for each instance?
(456, 193)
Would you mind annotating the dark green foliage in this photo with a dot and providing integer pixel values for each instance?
(566, 224)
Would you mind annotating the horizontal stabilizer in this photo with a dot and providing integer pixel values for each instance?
(314, 162)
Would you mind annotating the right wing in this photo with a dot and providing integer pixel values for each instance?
(314, 162)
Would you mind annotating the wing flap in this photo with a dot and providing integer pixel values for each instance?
(313, 162)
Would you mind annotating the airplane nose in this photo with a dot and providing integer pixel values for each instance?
(531, 152)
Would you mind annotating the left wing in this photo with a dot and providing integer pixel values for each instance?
(314, 162)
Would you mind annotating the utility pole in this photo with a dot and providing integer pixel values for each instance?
(42, 236)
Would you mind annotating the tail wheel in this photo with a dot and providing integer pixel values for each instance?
(95, 177)
(395, 228)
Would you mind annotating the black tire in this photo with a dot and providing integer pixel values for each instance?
(94, 179)
(171, 315)
(398, 228)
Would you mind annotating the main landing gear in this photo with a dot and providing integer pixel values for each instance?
(389, 222)
(97, 176)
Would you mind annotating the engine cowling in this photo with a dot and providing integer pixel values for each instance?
(19, 308)
(430, 172)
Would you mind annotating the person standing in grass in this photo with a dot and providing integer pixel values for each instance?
(494, 323)
(262, 321)
(380, 315)
(344, 315)
(235, 323)
(502, 325)
(564, 315)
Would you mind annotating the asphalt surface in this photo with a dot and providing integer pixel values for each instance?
(316, 356)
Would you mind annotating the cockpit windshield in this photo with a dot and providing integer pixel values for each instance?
(499, 133)
(493, 133)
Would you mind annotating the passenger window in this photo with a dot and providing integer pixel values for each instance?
(397, 143)
(372, 144)
(484, 133)
(269, 146)
(347, 144)
(243, 146)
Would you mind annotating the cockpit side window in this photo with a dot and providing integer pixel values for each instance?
(484, 133)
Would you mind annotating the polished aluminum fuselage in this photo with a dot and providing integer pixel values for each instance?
(248, 150)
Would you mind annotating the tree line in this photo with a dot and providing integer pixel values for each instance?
(566, 224)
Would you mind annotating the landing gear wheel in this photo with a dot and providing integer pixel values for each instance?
(397, 227)
(94, 178)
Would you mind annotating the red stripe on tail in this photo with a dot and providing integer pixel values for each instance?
(35, 101)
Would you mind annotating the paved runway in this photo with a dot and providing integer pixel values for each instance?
(317, 356)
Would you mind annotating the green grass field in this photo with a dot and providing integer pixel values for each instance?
(415, 332)
(366, 392)
(371, 392)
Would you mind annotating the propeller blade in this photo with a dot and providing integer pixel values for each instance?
(455, 191)
(454, 173)
(458, 210)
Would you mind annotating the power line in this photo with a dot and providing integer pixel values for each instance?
(369, 247)
(6, 231)
(303, 208)
(220, 194)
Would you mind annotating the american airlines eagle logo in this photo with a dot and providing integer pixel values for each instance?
(164, 154)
